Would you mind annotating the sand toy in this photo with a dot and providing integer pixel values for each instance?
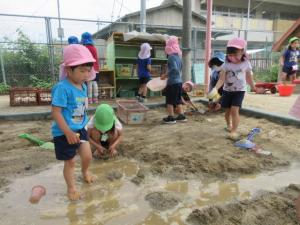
(35, 140)
(37, 193)
(249, 145)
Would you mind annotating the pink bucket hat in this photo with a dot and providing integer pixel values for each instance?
(238, 43)
(172, 46)
(190, 83)
(74, 55)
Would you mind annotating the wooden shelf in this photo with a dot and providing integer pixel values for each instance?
(127, 78)
(135, 58)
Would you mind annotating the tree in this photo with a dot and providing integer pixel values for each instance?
(24, 59)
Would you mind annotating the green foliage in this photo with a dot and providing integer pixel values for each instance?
(23, 59)
(4, 89)
(40, 83)
(267, 75)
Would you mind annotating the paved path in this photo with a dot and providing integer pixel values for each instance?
(268, 103)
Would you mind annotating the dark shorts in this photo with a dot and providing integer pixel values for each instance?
(65, 151)
(173, 94)
(144, 80)
(232, 98)
(288, 70)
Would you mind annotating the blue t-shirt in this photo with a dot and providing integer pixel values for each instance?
(174, 69)
(73, 103)
(142, 67)
(291, 57)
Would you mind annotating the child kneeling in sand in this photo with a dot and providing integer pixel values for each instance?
(69, 103)
(185, 98)
(105, 131)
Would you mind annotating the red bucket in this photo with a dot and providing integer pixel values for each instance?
(285, 89)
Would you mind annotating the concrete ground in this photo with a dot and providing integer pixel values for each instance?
(268, 103)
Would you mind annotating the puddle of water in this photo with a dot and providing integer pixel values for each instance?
(122, 202)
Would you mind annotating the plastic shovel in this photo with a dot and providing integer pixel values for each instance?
(35, 140)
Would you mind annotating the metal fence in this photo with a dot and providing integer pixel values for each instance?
(31, 48)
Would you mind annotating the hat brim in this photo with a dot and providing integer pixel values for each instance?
(63, 73)
(293, 39)
(237, 46)
(106, 127)
(80, 62)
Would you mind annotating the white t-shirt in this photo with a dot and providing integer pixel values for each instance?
(91, 124)
(235, 75)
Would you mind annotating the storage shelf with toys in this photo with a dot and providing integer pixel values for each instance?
(107, 84)
(122, 56)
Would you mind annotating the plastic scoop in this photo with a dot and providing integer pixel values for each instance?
(252, 133)
(37, 193)
(245, 143)
(157, 84)
(35, 140)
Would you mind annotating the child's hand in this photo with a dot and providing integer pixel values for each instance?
(113, 152)
(163, 77)
(212, 94)
(73, 138)
(100, 150)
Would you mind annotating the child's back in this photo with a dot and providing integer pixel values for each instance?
(174, 69)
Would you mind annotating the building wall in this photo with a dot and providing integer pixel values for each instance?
(166, 17)
(281, 26)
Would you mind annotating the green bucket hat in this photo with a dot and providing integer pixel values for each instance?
(104, 117)
(293, 39)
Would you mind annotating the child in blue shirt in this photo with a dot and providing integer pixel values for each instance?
(69, 103)
(215, 64)
(289, 60)
(174, 83)
(143, 70)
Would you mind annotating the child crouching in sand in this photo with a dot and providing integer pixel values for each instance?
(69, 103)
(105, 131)
(185, 98)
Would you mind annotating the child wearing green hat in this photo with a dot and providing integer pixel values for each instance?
(289, 60)
(105, 131)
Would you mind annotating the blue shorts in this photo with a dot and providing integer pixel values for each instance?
(232, 98)
(65, 151)
(144, 80)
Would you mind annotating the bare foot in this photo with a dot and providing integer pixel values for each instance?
(74, 195)
(89, 178)
(233, 136)
(228, 129)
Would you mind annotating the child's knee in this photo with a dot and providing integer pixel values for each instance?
(70, 163)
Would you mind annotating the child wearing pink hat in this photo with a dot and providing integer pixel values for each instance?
(69, 103)
(235, 73)
(185, 98)
(174, 83)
